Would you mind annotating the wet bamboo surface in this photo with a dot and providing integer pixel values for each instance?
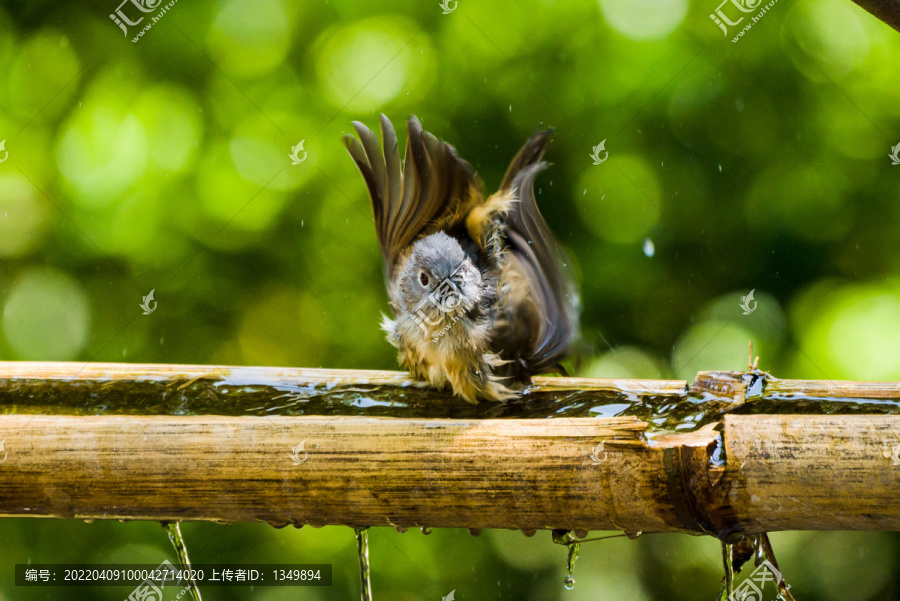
(746, 470)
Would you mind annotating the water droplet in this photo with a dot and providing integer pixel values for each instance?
(581, 533)
(563, 537)
(649, 248)
(728, 564)
(633, 534)
(426, 530)
(400, 529)
(720, 168)
(475, 531)
(530, 532)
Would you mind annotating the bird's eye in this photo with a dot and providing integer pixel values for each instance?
(423, 278)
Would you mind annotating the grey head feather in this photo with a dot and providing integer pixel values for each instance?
(439, 260)
(439, 254)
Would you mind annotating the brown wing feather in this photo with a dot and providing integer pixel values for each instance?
(435, 190)
(542, 293)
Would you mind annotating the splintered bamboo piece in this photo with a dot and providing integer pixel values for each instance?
(779, 472)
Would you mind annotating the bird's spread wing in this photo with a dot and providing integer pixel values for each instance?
(540, 289)
(434, 191)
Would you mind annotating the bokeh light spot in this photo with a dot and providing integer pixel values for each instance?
(712, 345)
(369, 62)
(46, 316)
(250, 38)
(832, 39)
(45, 69)
(622, 199)
(644, 19)
(171, 117)
(21, 215)
(851, 332)
(101, 153)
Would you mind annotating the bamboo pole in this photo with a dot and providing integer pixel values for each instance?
(782, 472)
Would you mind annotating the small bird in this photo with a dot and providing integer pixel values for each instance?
(481, 292)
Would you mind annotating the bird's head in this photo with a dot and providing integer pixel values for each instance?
(440, 279)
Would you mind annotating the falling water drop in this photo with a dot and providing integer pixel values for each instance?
(728, 579)
(569, 581)
(649, 248)
(563, 537)
(784, 589)
(181, 553)
(760, 554)
(426, 530)
(362, 550)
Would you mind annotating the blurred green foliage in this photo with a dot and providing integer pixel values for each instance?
(163, 164)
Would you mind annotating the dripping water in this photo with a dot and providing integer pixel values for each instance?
(174, 530)
(566, 538)
(569, 581)
(362, 550)
(766, 553)
(728, 584)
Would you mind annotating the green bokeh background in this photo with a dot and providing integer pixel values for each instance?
(163, 164)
